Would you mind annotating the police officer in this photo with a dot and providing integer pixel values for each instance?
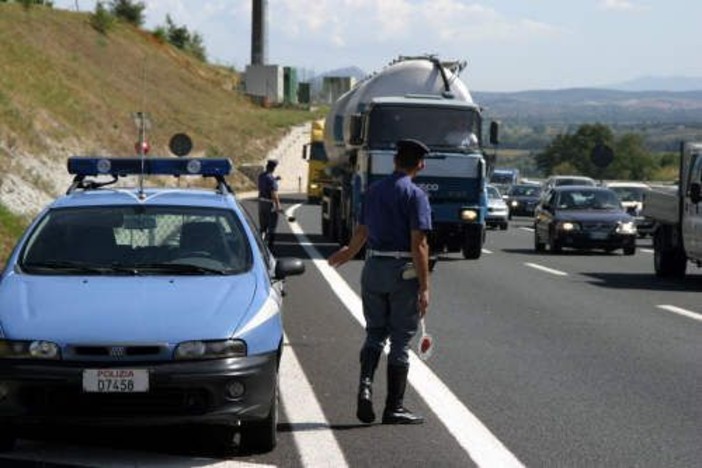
(394, 222)
(268, 202)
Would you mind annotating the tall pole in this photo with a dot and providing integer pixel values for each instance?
(259, 17)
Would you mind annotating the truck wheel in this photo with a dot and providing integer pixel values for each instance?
(669, 263)
(472, 245)
(630, 250)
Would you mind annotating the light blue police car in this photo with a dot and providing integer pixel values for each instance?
(152, 306)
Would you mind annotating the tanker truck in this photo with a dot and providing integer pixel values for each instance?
(413, 97)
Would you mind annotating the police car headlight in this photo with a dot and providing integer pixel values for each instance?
(626, 228)
(469, 215)
(10, 349)
(210, 349)
(569, 226)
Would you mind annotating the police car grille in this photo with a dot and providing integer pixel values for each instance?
(116, 351)
(58, 401)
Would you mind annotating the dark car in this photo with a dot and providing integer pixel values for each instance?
(583, 218)
(521, 199)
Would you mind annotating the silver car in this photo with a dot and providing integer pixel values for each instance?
(498, 213)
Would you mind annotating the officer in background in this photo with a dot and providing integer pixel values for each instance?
(268, 202)
(394, 222)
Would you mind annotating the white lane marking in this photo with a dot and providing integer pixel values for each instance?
(528, 229)
(646, 250)
(473, 436)
(486, 251)
(680, 311)
(546, 269)
(319, 244)
(314, 438)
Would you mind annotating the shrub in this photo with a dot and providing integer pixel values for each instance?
(101, 20)
(129, 11)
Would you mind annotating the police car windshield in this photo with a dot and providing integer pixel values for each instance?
(137, 240)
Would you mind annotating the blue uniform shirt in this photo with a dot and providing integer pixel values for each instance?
(267, 184)
(392, 208)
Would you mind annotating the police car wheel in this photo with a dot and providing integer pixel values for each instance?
(261, 436)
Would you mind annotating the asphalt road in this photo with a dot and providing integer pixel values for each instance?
(575, 359)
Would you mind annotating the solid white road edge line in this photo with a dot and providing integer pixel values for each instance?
(546, 269)
(473, 436)
(317, 446)
(680, 311)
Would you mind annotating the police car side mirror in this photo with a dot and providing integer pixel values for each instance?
(285, 267)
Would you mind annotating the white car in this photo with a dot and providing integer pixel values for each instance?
(498, 212)
(631, 194)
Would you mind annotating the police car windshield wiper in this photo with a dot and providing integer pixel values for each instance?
(67, 267)
(180, 268)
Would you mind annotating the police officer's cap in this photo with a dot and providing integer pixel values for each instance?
(413, 147)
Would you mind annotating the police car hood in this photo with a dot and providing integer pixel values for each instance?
(74, 309)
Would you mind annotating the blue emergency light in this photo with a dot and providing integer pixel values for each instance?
(117, 167)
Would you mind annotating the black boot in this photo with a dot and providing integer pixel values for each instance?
(369, 362)
(394, 412)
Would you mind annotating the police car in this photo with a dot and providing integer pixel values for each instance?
(154, 306)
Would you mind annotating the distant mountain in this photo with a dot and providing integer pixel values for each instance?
(583, 105)
(660, 83)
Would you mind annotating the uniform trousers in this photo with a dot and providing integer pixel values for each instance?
(390, 306)
(267, 220)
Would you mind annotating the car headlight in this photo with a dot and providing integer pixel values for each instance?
(469, 215)
(210, 349)
(569, 226)
(627, 227)
(37, 349)
(314, 186)
(514, 203)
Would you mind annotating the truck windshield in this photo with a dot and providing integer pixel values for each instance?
(437, 127)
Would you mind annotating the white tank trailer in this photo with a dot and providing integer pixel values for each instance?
(413, 97)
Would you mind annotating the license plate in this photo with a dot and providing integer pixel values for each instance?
(115, 380)
(599, 235)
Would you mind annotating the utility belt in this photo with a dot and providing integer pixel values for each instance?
(370, 253)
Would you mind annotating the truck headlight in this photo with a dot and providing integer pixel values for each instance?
(210, 349)
(569, 226)
(627, 227)
(37, 349)
(469, 215)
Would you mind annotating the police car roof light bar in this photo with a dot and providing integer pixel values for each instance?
(83, 166)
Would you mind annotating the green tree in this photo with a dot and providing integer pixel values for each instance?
(183, 39)
(129, 11)
(101, 19)
(570, 153)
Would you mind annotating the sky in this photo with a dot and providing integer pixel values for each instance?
(509, 45)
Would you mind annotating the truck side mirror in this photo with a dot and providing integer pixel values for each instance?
(695, 192)
(494, 133)
(356, 130)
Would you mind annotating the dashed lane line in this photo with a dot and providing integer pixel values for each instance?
(546, 269)
(486, 251)
(313, 436)
(646, 250)
(472, 435)
(681, 311)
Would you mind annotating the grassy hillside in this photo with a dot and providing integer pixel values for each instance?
(66, 89)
